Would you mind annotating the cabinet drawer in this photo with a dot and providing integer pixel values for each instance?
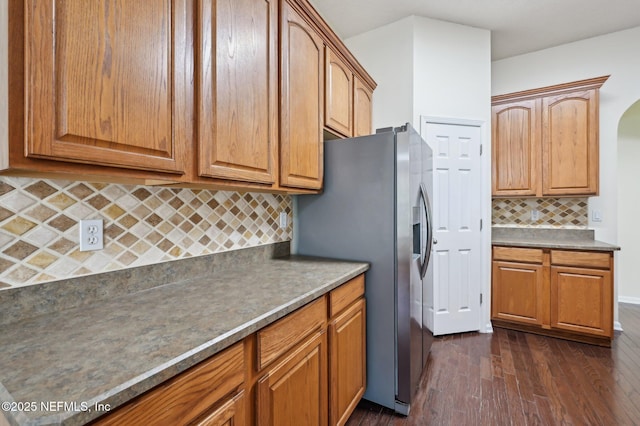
(346, 294)
(515, 254)
(277, 338)
(187, 396)
(581, 258)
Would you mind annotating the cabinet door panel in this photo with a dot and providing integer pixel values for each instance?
(570, 144)
(516, 148)
(238, 90)
(518, 294)
(294, 392)
(581, 300)
(103, 82)
(230, 413)
(347, 362)
(302, 97)
(339, 94)
(362, 109)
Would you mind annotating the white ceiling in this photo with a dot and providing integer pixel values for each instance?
(517, 26)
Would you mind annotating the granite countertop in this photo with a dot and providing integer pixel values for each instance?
(114, 350)
(570, 239)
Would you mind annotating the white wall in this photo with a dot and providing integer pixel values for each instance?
(629, 205)
(614, 54)
(426, 67)
(387, 55)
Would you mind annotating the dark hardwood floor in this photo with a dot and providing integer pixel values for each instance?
(514, 378)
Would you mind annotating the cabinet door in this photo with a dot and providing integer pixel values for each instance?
(582, 300)
(362, 109)
(570, 144)
(302, 100)
(238, 74)
(347, 362)
(107, 82)
(230, 413)
(515, 149)
(294, 391)
(518, 293)
(338, 94)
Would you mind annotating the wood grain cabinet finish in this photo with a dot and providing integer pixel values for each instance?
(232, 412)
(545, 141)
(570, 143)
(516, 149)
(338, 103)
(188, 396)
(362, 109)
(238, 85)
(518, 292)
(568, 294)
(301, 101)
(294, 391)
(105, 83)
(347, 362)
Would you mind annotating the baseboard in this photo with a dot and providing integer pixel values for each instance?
(632, 300)
(617, 326)
(487, 329)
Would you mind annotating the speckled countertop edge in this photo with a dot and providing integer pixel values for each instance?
(552, 238)
(271, 298)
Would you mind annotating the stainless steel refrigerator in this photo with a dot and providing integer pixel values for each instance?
(375, 208)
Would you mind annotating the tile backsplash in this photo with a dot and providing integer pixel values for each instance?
(552, 212)
(142, 225)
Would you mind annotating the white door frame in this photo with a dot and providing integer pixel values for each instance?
(485, 172)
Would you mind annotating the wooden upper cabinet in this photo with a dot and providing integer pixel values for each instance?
(301, 101)
(545, 141)
(238, 76)
(362, 109)
(338, 94)
(570, 143)
(516, 148)
(103, 82)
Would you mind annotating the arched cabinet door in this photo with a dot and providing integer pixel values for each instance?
(362, 109)
(302, 98)
(106, 83)
(516, 148)
(570, 152)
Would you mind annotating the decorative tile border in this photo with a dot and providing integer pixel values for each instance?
(553, 212)
(142, 225)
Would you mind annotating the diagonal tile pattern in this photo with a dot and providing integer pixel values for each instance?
(553, 212)
(142, 225)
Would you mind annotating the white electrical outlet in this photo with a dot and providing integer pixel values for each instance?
(535, 215)
(283, 220)
(91, 235)
(596, 215)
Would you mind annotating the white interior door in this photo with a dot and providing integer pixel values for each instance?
(455, 303)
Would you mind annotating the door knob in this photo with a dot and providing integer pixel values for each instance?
(435, 241)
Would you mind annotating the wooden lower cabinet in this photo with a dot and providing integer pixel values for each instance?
(517, 292)
(307, 368)
(581, 300)
(347, 369)
(562, 293)
(294, 391)
(231, 413)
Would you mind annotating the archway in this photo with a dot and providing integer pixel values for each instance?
(628, 165)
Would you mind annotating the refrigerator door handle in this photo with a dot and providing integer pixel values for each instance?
(427, 243)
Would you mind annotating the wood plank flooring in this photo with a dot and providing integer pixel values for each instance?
(514, 378)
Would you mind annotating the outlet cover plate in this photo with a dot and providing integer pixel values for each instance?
(91, 235)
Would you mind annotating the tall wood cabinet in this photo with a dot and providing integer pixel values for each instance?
(301, 100)
(545, 141)
(562, 293)
(238, 87)
(105, 84)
